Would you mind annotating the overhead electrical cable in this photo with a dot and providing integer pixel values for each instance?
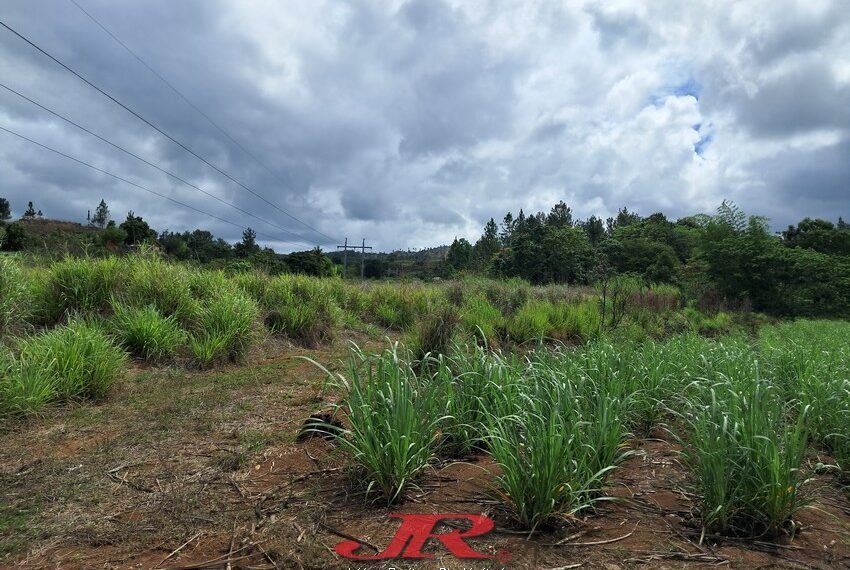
(130, 182)
(164, 171)
(163, 133)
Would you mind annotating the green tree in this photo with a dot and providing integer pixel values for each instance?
(486, 247)
(248, 246)
(30, 211)
(459, 256)
(15, 239)
(5, 210)
(101, 215)
(595, 230)
(560, 215)
(137, 229)
(311, 262)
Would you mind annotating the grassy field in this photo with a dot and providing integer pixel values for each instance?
(148, 406)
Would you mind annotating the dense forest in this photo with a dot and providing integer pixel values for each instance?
(728, 259)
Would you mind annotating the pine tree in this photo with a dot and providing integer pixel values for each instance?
(5, 210)
(101, 214)
(30, 213)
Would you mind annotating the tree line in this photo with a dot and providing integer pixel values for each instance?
(727, 257)
(199, 245)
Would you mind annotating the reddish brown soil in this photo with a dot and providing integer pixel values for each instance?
(182, 470)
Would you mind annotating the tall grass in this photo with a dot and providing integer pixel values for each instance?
(556, 437)
(79, 356)
(146, 333)
(81, 286)
(392, 419)
(223, 328)
(15, 298)
(744, 453)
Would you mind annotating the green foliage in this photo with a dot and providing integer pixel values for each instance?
(5, 210)
(223, 327)
(481, 320)
(15, 296)
(300, 308)
(81, 286)
(312, 262)
(459, 256)
(146, 333)
(16, 238)
(137, 230)
(393, 422)
(435, 331)
(745, 459)
(80, 356)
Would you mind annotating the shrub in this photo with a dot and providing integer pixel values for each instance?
(395, 307)
(146, 333)
(81, 357)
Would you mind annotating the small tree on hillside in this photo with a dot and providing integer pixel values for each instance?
(101, 214)
(30, 213)
(5, 210)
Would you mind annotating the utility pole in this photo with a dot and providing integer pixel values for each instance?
(363, 249)
(345, 249)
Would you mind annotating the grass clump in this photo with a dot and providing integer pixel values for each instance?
(223, 328)
(393, 422)
(14, 296)
(146, 333)
(481, 320)
(300, 308)
(81, 286)
(434, 332)
(556, 437)
(744, 454)
(79, 357)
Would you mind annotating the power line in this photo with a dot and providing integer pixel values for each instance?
(179, 93)
(162, 132)
(122, 179)
(172, 175)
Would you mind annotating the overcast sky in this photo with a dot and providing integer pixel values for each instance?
(410, 123)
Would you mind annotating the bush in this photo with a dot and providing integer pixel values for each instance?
(146, 333)
(81, 357)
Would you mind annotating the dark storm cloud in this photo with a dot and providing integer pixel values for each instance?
(411, 122)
